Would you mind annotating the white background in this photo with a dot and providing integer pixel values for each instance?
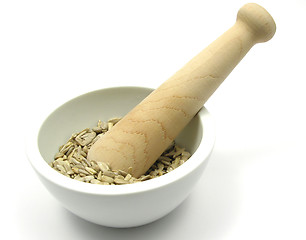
(255, 184)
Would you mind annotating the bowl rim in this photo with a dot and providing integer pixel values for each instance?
(42, 168)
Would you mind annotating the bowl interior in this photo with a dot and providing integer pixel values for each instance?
(84, 111)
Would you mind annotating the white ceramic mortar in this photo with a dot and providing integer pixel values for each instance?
(121, 205)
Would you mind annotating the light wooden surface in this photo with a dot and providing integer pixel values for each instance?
(145, 132)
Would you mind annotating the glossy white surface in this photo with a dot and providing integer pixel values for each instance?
(141, 203)
(254, 185)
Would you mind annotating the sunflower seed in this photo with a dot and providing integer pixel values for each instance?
(89, 178)
(79, 178)
(85, 149)
(61, 168)
(97, 130)
(75, 169)
(99, 124)
(145, 177)
(175, 163)
(185, 155)
(83, 171)
(85, 138)
(119, 177)
(128, 177)
(67, 166)
(95, 166)
(160, 166)
(168, 163)
(84, 154)
(86, 161)
(109, 174)
(95, 181)
(106, 179)
(178, 151)
(79, 166)
(65, 147)
(120, 181)
(109, 125)
(69, 151)
(103, 166)
(114, 120)
(169, 169)
(130, 170)
(74, 161)
(90, 170)
(164, 158)
(104, 126)
(58, 155)
(153, 173)
(105, 183)
(99, 175)
(123, 173)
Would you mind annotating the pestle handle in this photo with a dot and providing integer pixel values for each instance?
(146, 131)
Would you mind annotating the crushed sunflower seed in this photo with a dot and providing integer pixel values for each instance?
(71, 159)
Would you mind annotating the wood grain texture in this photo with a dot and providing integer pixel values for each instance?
(145, 132)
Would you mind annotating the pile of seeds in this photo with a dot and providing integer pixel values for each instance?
(71, 160)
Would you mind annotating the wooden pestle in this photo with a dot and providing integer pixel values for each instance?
(146, 131)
